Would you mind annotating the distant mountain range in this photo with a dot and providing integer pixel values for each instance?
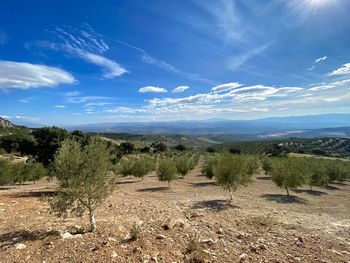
(274, 127)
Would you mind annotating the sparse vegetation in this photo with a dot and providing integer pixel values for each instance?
(167, 171)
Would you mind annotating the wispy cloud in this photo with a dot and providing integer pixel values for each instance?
(321, 59)
(180, 89)
(21, 75)
(147, 58)
(60, 106)
(23, 101)
(343, 70)
(152, 89)
(226, 87)
(86, 45)
(236, 62)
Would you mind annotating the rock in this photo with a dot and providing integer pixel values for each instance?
(137, 250)
(243, 257)
(111, 239)
(94, 248)
(174, 222)
(160, 237)
(154, 259)
(301, 239)
(207, 241)
(220, 231)
(263, 247)
(20, 246)
(114, 254)
(67, 235)
(253, 248)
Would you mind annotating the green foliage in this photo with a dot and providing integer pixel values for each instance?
(127, 147)
(82, 173)
(288, 173)
(12, 173)
(124, 167)
(266, 163)
(159, 147)
(142, 166)
(180, 147)
(231, 171)
(48, 141)
(208, 166)
(182, 163)
(167, 170)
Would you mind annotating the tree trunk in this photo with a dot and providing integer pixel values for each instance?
(287, 190)
(168, 184)
(231, 195)
(92, 221)
(311, 187)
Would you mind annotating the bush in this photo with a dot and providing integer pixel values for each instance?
(231, 171)
(167, 171)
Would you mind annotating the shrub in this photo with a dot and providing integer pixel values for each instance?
(167, 170)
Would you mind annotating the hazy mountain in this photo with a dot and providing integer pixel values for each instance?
(292, 124)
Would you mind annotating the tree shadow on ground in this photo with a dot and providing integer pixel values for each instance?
(203, 184)
(310, 192)
(265, 178)
(12, 238)
(217, 205)
(153, 189)
(341, 183)
(331, 187)
(284, 199)
(47, 193)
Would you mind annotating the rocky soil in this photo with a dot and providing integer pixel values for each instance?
(190, 222)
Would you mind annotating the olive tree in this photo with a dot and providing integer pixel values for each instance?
(231, 171)
(142, 166)
(182, 163)
(288, 173)
(82, 173)
(167, 170)
(208, 166)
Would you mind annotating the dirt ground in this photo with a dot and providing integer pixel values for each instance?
(190, 222)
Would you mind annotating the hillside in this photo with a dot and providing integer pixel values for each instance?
(5, 123)
(335, 147)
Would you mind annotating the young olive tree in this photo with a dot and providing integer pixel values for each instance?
(167, 171)
(124, 167)
(141, 167)
(231, 171)
(208, 166)
(182, 163)
(288, 173)
(82, 176)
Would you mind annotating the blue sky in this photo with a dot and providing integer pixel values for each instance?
(70, 62)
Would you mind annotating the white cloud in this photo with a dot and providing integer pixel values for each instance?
(180, 89)
(23, 101)
(321, 59)
(21, 75)
(60, 106)
(111, 68)
(5, 117)
(152, 89)
(22, 117)
(343, 70)
(311, 68)
(125, 110)
(226, 87)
